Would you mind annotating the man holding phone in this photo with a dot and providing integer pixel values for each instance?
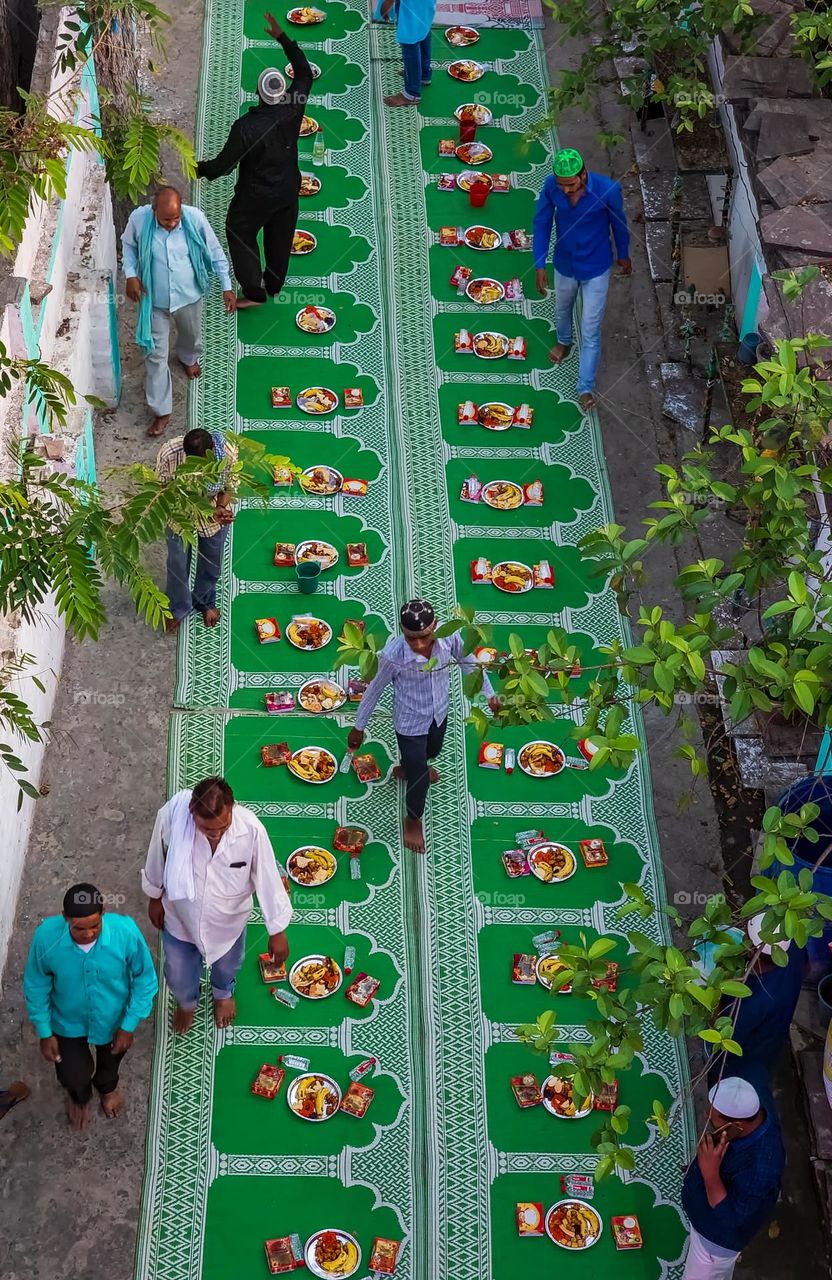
(730, 1190)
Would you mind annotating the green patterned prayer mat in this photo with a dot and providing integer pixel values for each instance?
(444, 1154)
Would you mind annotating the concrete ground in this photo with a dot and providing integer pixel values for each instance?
(70, 1204)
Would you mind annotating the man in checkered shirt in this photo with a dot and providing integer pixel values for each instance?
(420, 704)
(212, 533)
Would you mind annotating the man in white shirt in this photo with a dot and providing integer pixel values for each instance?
(169, 253)
(207, 856)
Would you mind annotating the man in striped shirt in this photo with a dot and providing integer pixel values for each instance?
(420, 704)
(212, 532)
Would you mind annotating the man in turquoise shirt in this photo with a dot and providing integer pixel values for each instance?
(89, 980)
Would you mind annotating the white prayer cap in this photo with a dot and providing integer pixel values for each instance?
(753, 927)
(735, 1098)
(271, 86)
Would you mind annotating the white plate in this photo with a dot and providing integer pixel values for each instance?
(477, 73)
(294, 1089)
(551, 844)
(484, 116)
(314, 16)
(482, 156)
(289, 70)
(332, 401)
(310, 848)
(316, 183)
(311, 960)
(485, 280)
(301, 253)
(461, 37)
(590, 1240)
(496, 426)
(326, 560)
(325, 313)
(335, 481)
(504, 342)
(544, 982)
(531, 772)
(339, 701)
(482, 248)
(496, 506)
(579, 1115)
(309, 648)
(519, 592)
(309, 1255)
(313, 782)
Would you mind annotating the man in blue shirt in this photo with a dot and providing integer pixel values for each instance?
(731, 1189)
(169, 252)
(89, 980)
(585, 208)
(413, 23)
(420, 703)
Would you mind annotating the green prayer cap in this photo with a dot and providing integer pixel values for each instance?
(568, 163)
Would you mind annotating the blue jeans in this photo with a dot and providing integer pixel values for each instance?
(184, 967)
(416, 58)
(183, 601)
(594, 300)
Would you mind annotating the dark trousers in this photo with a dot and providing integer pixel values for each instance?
(416, 752)
(208, 569)
(77, 1073)
(246, 218)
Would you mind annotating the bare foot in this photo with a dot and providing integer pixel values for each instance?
(414, 837)
(243, 303)
(559, 352)
(112, 1104)
(78, 1114)
(587, 401)
(172, 625)
(210, 617)
(399, 100)
(158, 425)
(400, 776)
(192, 370)
(225, 1011)
(183, 1020)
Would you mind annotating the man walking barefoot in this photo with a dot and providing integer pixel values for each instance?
(169, 252)
(586, 208)
(212, 533)
(89, 981)
(207, 856)
(264, 143)
(420, 704)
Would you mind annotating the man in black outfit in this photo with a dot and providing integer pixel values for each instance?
(264, 143)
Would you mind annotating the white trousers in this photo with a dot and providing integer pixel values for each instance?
(702, 1264)
(158, 387)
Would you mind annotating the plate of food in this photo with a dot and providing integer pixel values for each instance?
(496, 416)
(559, 1099)
(502, 495)
(548, 970)
(551, 861)
(322, 481)
(485, 291)
(323, 552)
(473, 112)
(305, 16)
(309, 633)
(461, 37)
(541, 759)
(304, 242)
(512, 576)
(290, 71)
(482, 238)
(332, 1253)
(468, 177)
(490, 346)
(310, 864)
(317, 400)
(466, 70)
(573, 1224)
(315, 977)
(321, 695)
(310, 184)
(308, 126)
(474, 153)
(313, 764)
(314, 1097)
(315, 319)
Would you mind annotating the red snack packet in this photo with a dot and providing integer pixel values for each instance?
(362, 989)
(284, 555)
(593, 853)
(275, 754)
(355, 488)
(267, 1082)
(357, 554)
(281, 398)
(384, 1255)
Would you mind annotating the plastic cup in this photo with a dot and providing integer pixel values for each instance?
(467, 130)
(478, 194)
(308, 574)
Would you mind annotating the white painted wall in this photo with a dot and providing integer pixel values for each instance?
(73, 247)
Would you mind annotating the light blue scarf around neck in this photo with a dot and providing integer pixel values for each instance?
(200, 261)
